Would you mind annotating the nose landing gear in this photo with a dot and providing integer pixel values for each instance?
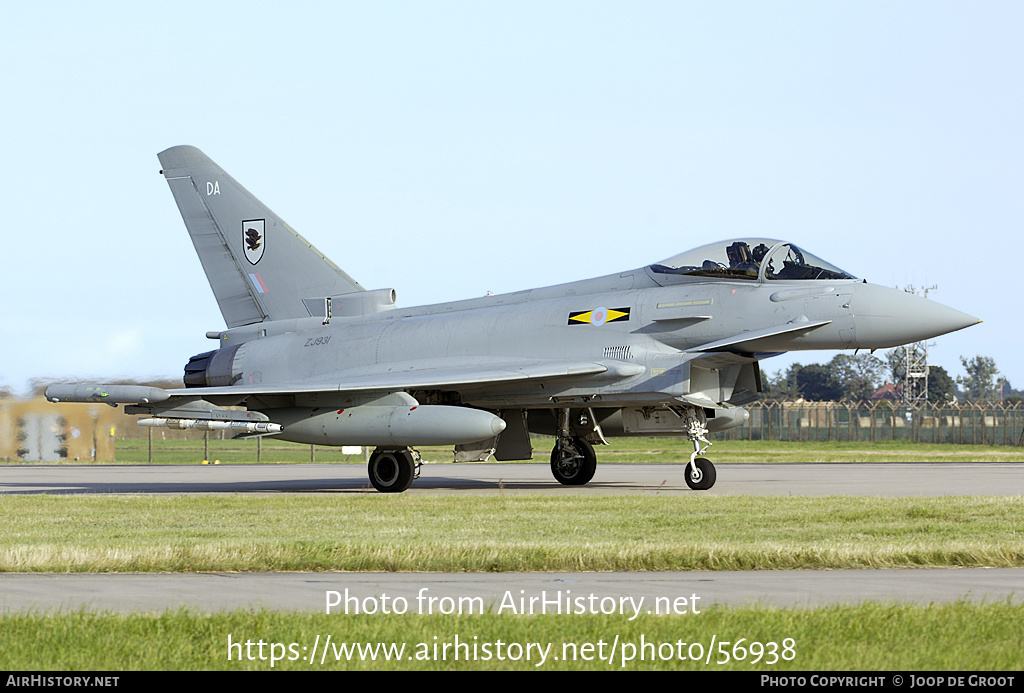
(699, 472)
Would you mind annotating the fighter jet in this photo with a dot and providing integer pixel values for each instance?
(670, 349)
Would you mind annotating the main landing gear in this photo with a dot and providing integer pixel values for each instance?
(573, 461)
(392, 471)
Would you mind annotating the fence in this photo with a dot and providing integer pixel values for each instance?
(36, 430)
(986, 423)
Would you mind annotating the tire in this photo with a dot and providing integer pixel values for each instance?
(705, 474)
(391, 471)
(577, 465)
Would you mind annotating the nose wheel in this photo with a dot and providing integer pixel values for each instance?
(700, 474)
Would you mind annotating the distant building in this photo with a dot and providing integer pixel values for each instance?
(889, 391)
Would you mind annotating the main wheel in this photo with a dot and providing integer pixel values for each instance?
(573, 462)
(700, 476)
(391, 471)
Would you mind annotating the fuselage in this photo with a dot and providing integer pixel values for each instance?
(645, 328)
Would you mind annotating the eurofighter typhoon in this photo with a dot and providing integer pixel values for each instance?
(669, 349)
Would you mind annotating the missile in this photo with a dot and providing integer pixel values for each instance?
(209, 425)
(389, 426)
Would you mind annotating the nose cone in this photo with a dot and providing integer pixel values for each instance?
(885, 317)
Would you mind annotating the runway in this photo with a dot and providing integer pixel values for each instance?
(892, 480)
(674, 592)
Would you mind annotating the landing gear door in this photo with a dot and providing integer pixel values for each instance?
(514, 441)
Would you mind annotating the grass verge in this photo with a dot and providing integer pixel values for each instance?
(377, 532)
(870, 637)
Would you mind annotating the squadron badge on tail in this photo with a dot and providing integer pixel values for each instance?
(253, 239)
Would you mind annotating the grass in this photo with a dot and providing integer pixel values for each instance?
(512, 532)
(960, 637)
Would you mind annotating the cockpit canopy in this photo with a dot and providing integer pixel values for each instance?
(749, 258)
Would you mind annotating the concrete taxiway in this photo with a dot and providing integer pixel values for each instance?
(918, 479)
(664, 593)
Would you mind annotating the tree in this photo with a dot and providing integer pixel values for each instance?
(858, 375)
(846, 376)
(1009, 394)
(781, 385)
(896, 359)
(941, 388)
(979, 383)
(818, 383)
(1009, 391)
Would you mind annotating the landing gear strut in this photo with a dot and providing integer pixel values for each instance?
(573, 460)
(392, 471)
(699, 473)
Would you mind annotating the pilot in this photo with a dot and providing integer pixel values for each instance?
(741, 261)
(759, 252)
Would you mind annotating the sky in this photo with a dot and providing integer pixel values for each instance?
(448, 149)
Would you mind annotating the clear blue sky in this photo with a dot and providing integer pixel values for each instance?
(447, 149)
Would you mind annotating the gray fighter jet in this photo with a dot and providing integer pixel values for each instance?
(667, 349)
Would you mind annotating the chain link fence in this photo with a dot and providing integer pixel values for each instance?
(985, 423)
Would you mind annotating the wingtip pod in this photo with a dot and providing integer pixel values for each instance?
(106, 394)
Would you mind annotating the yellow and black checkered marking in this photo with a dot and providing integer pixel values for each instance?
(598, 316)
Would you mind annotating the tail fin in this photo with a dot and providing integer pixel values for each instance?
(258, 267)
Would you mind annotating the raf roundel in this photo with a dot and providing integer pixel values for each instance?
(598, 316)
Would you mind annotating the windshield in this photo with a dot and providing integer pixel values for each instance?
(743, 259)
(789, 262)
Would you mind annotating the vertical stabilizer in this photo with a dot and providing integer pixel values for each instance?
(258, 267)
